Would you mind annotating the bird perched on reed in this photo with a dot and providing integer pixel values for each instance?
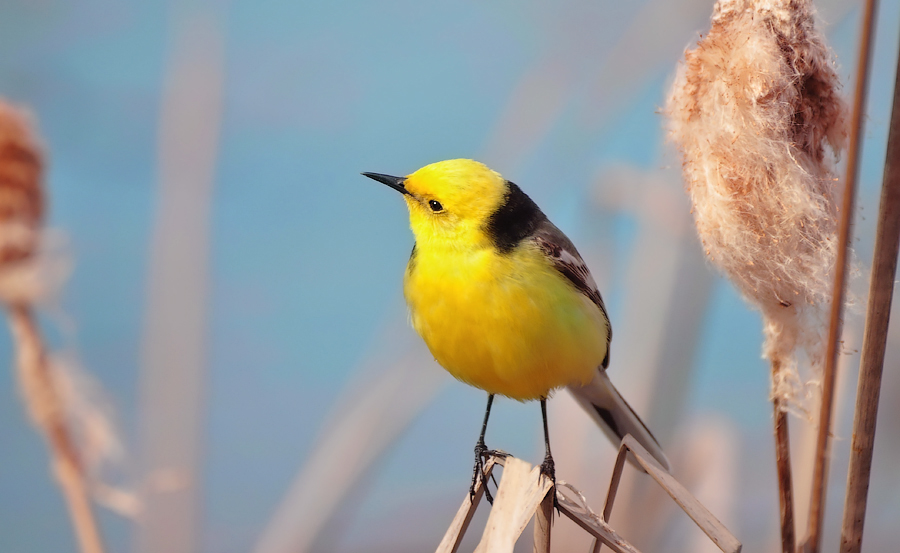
(504, 301)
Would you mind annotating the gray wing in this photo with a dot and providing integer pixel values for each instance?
(561, 251)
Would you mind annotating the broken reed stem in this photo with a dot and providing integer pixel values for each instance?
(783, 466)
(543, 521)
(878, 312)
(823, 439)
(785, 482)
(48, 413)
(524, 493)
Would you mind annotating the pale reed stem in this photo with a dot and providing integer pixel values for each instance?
(881, 289)
(46, 409)
(823, 441)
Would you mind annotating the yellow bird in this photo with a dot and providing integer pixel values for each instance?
(503, 299)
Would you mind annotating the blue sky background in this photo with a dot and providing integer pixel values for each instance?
(306, 255)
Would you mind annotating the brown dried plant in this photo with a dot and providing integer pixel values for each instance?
(21, 214)
(21, 195)
(756, 113)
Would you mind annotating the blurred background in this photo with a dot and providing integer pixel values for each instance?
(236, 282)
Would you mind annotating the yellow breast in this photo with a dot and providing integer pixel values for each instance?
(508, 324)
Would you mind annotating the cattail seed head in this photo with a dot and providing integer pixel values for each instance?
(756, 113)
(21, 194)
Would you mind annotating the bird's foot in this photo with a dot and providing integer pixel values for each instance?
(481, 454)
(548, 469)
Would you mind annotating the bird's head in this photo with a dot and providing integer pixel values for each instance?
(450, 201)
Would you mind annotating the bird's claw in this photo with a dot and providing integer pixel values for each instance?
(548, 469)
(481, 454)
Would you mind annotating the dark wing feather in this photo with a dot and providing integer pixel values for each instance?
(560, 250)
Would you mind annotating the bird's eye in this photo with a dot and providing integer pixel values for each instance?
(435, 205)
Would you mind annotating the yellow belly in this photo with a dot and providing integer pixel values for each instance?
(510, 325)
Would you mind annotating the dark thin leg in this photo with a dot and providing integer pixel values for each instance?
(487, 414)
(548, 467)
(481, 453)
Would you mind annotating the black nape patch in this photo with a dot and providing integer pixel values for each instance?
(515, 220)
(608, 419)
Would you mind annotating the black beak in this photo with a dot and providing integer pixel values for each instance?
(394, 182)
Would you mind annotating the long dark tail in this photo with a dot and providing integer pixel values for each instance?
(615, 417)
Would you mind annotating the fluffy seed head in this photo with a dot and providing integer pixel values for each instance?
(756, 114)
(21, 195)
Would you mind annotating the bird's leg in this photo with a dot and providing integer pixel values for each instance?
(548, 467)
(482, 453)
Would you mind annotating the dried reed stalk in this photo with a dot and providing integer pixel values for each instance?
(21, 213)
(543, 522)
(826, 407)
(47, 412)
(881, 289)
(457, 529)
(525, 493)
(521, 493)
(705, 520)
(783, 470)
(753, 108)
